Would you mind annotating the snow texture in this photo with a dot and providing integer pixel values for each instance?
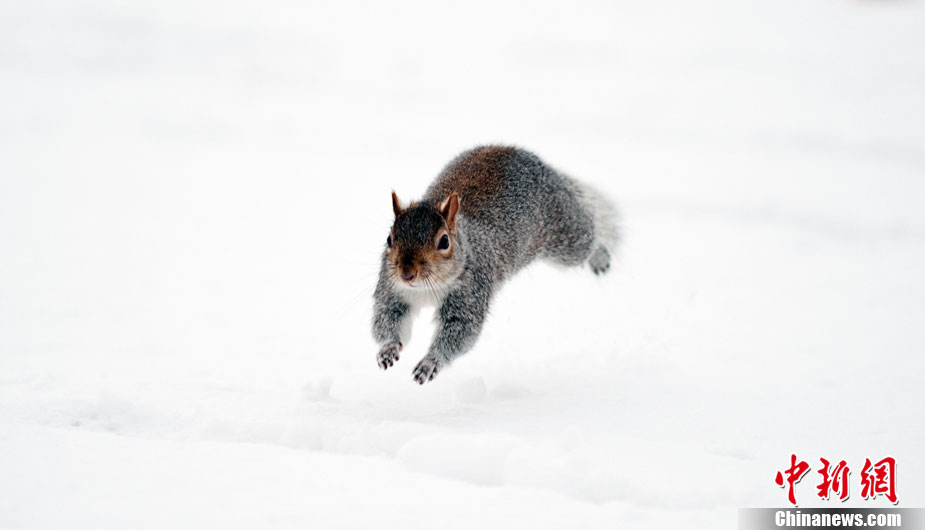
(194, 196)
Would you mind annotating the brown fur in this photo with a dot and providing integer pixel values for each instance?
(422, 261)
(477, 178)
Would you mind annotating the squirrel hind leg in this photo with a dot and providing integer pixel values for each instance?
(599, 260)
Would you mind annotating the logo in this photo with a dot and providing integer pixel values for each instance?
(876, 479)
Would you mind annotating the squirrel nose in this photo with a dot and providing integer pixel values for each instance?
(407, 276)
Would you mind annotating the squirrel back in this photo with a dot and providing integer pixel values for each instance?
(517, 209)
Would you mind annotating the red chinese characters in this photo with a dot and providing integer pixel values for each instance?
(876, 479)
(794, 474)
(834, 480)
(881, 482)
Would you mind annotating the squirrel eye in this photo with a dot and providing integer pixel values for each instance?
(444, 243)
(388, 241)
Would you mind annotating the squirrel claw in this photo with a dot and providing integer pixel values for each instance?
(388, 355)
(426, 370)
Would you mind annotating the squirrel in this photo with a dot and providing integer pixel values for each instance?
(489, 213)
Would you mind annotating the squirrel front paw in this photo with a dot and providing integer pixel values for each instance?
(426, 370)
(388, 355)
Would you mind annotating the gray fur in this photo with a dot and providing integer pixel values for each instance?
(514, 209)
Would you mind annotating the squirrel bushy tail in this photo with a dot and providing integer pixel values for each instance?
(606, 234)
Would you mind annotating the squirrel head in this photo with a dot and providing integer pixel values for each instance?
(422, 246)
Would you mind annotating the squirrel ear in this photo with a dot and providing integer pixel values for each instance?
(396, 204)
(449, 208)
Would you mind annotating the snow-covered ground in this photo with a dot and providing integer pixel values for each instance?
(194, 196)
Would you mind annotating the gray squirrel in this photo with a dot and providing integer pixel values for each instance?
(489, 213)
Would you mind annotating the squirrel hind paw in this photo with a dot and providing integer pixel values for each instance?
(600, 260)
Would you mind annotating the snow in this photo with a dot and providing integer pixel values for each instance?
(193, 201)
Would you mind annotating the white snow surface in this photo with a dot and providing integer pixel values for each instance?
(194, 197)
